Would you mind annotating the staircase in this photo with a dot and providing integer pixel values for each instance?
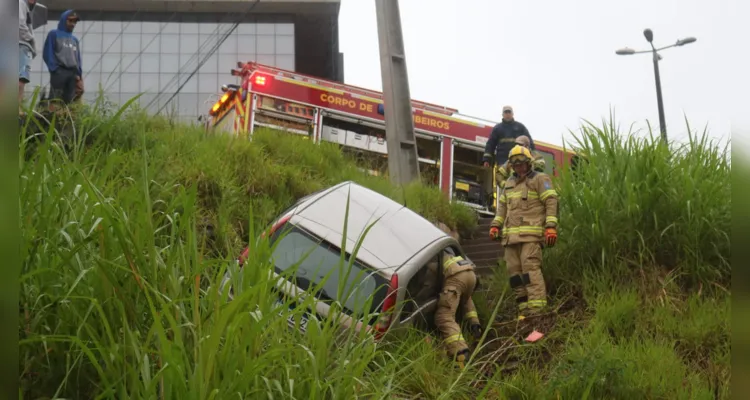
(482, 250)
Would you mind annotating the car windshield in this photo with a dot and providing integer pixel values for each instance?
(318, 261)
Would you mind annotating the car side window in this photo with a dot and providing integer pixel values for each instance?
(451, 250)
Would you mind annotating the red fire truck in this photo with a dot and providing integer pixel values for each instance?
(450, 146)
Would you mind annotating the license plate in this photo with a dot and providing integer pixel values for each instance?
(290, 319)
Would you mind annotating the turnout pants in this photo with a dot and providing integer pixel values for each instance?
(456, 294)
(524, 263)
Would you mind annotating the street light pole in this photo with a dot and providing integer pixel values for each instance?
(659, 99)
(649, 34)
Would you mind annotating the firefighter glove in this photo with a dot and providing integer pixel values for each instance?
(494, 233)
(550, 234)
(476, 331)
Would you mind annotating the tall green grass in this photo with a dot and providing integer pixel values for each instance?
(128, 231)
(635, 203)
(119, 287)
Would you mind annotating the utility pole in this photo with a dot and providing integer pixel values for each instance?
(403, 162)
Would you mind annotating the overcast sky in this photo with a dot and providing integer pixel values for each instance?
(555, 61)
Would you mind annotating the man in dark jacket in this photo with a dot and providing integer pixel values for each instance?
(503, 138)
(62, 54)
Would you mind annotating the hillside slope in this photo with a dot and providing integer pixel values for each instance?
(119, 299)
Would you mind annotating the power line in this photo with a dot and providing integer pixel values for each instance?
(207, 56)
(196, 55)
(110, 45)
(143, 48)
(139, 55)
(176, 77)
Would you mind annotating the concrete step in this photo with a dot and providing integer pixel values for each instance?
(484, 249)
(481, 249)
(486, 265)
(485, 270)
(480, 240)
(485, 258)
(476, 246)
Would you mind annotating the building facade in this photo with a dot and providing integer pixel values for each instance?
(177, 54)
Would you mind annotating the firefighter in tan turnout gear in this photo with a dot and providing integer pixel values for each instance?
(525, 218)
(459, 282)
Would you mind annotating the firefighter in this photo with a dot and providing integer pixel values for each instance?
(526, 218)
(459, 282)
(502, 137)
(502, 171)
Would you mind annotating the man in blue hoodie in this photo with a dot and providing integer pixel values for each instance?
(62, 54)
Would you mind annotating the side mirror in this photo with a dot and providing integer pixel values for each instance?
(39, 15)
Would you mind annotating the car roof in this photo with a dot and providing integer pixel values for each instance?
(394, 239)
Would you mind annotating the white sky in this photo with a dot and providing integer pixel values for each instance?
(555, 61)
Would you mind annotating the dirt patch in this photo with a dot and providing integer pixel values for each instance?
(505, 349)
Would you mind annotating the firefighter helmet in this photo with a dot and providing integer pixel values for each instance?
(519, 153)
(523, 140)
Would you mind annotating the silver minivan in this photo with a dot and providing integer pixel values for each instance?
(390, 264)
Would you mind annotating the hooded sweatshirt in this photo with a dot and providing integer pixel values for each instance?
(62, 49)
(25, 26)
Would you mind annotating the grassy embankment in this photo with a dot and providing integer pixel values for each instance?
(119, 299)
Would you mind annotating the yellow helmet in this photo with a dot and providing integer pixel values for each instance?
(519, 153)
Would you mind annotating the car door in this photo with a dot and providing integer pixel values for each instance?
(422, 293)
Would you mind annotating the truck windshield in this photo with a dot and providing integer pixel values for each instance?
(317, 262)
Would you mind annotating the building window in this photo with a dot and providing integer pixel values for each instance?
(129, 53)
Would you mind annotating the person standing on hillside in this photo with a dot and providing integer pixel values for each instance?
(526, 217)
(26, 45)
(62, 54)
(502, 138)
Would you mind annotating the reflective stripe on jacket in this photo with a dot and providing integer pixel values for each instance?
(525, 207)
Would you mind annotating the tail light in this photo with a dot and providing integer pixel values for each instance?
(243, 256)
(276, 226)
(386, 315)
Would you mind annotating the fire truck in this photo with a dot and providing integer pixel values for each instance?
(449, 145)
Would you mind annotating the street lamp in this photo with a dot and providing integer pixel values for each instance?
(626, 51)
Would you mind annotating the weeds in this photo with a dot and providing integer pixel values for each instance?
(128, 232)
(635, 204)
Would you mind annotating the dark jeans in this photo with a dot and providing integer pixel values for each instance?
(63, 83)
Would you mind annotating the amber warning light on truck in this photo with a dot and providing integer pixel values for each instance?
(221, 104)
